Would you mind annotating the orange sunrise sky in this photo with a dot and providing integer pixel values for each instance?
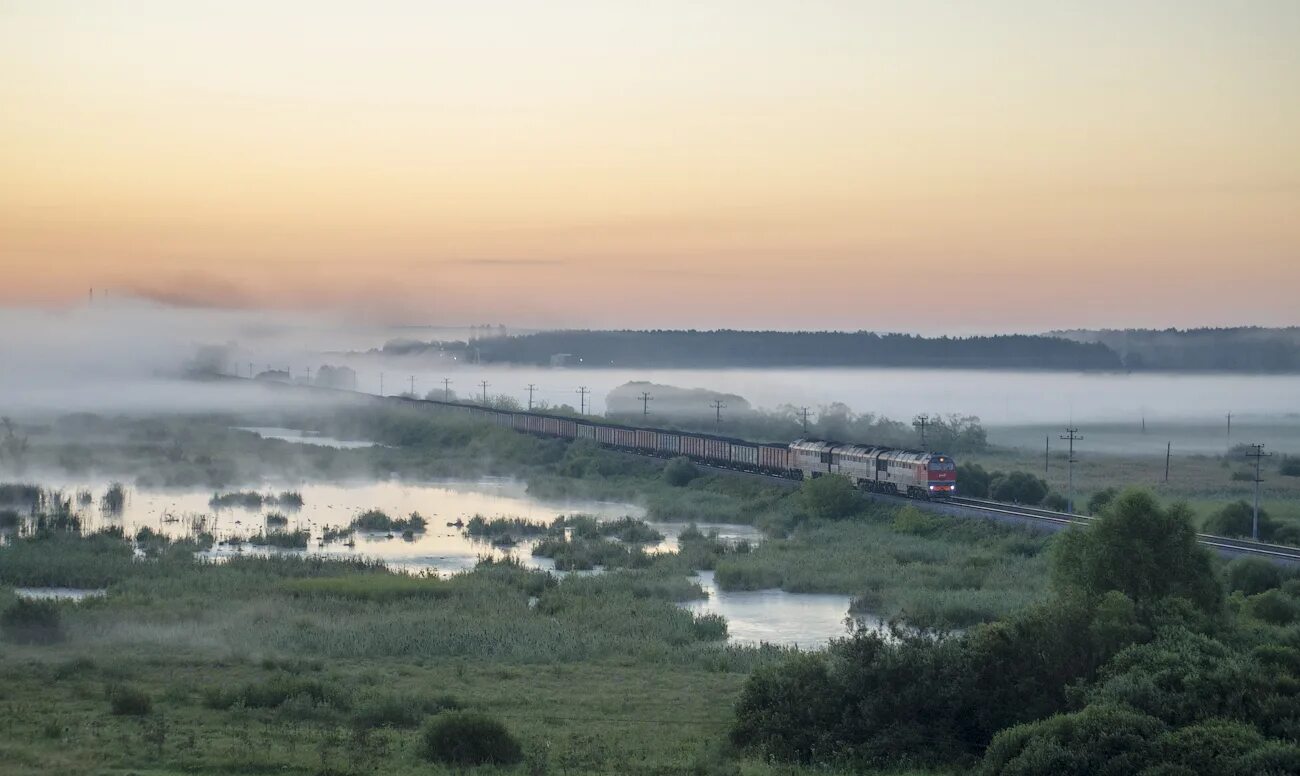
(926, 166)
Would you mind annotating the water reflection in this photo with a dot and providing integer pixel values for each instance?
(757, 617)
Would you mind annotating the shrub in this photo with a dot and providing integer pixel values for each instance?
(1289, 466)
(1236, 519)
(31, 622)
(1273, 607)
(399, 711)
(276, 520)
(831, 496)
(680, 471)
(973, 480)
(127, 701)
(467, 738)
(1056, 502)
(1252, 575)
(1099, 739)
(1100, 500)
(1018, 488)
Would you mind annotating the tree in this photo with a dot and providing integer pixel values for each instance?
(467, 738)
(1140, 549)
(830, 496)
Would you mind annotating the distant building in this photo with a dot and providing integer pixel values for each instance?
(564, 359)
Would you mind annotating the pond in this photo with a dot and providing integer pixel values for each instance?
(771, 616)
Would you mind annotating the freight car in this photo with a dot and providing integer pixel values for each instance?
(912, 473)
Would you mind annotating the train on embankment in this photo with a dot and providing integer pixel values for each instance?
(912, 473)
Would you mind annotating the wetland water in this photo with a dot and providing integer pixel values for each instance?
(769, 616)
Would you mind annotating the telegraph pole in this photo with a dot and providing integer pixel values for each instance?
(484, 384)
(718, 407)
(803, 416)
(921, 422)
(1259, 455)
(645, 402)
(531, 388)
(1169, 449)
(1047, 455)
(1229, 429)
(446, 389)
(582, 399)
(412, 386)
(381, 383)
(1072, 435)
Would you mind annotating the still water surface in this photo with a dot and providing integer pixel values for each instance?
(769, 616)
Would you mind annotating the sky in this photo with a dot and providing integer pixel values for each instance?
(1007, 165)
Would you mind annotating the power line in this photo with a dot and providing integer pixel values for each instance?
(646, 398)
(803, 416)
(582, 399)
(718, 407)
(921, 422)
(1259, 455)
(531, 388)
(1072, 435)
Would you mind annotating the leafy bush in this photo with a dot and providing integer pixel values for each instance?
(1056, 502)
(1018, 488)
(680, 471)
(973, 480)
(127, 701)
(114, 499)
(1236, 519)
(1273, 607)
(1099, 739)
(830, 496)
(31, 622)
(1252, 575)
(467, 738)
(1141, 549)
(1101, 499)
(399, 710)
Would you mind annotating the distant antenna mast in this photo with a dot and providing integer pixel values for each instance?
(803, 417)
(646, 398)
(1072, 435)
(921, 422)
(1259, 455)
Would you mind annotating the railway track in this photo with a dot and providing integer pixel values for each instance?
(1223, 544)
(959, 506)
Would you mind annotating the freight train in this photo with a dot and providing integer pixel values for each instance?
(912, 473)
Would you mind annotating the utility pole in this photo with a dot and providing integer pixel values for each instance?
(921, 422)
(446, 389)
(381, 383)
(1169, 449)
(1229, 429)
(1071, 434)
(645, 402)
(1259, 455)
(412, 386)
(582, 399)
(718, 407)
(531, 388)
(484, 384)
(250, 370)
(1047, 455)
(803, 416)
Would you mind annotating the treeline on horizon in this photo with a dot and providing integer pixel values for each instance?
(1235, 349)
(732, 348)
